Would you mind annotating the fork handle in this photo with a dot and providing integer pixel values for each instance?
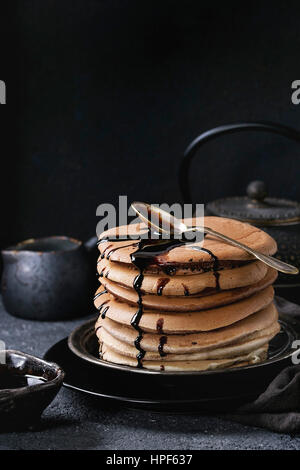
(269, 260)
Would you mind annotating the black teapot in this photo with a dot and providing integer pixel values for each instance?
(278, 217)
(48, 278)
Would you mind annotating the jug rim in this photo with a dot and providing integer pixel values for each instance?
(24, 246)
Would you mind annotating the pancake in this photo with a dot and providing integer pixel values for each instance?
(186, 269)
(204, 320)
(261, 323)
(185, 285)
(253, 357)
(108, 249)
(187, 303)
(227, 351)
(245, 233)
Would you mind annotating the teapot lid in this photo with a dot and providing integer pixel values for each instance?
(256, 208)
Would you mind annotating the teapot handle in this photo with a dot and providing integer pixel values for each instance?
(206, 136)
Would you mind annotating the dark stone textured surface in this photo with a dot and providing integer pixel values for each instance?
(75, 421)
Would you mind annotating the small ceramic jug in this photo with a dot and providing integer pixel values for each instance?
(48, 278)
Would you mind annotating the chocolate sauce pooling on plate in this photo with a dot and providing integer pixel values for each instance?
(147, 253)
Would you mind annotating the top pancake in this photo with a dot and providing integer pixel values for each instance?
(187, 257)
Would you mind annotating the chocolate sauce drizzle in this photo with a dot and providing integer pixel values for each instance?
(118, 239)
(137, 284)
(162, 342)
(147, 253)
(103, 313)
(102, 272)
(105, 250)
(108, 255)
(159, 325)
(100, 293)
(161, 284)
(186, 290)
(170, 270)
(215, 264)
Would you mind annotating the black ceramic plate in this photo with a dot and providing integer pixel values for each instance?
(83, 342)
(203, 391)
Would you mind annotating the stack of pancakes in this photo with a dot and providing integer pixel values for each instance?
(199, 309)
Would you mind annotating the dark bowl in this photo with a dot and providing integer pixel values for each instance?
(27, 386)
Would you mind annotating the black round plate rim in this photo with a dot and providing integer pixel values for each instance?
(152, 402)
(148, 402)
(86, 327)
(145, 401)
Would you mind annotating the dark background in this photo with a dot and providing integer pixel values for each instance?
(104, 96)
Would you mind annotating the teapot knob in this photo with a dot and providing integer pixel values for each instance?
(257, 190)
